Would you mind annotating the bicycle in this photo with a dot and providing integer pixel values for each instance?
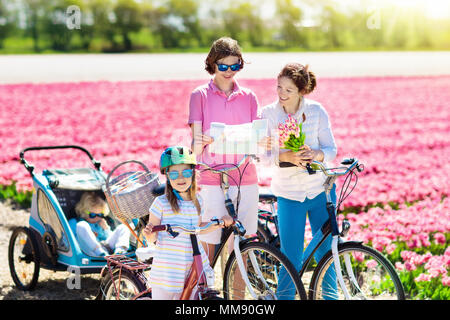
(361, 272)
(254, 251)
(264, 263)
(128, 280)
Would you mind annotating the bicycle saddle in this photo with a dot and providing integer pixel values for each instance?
(267, 197)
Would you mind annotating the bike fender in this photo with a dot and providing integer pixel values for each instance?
(351, 241)
(245, 241)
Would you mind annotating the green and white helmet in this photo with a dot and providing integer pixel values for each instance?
(176, 155)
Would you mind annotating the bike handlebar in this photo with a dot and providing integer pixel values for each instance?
(169, 227)
(233, 166)
(353, 162)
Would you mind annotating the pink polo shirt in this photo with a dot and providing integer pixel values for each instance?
(208, 104)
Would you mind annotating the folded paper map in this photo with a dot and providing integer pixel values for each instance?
(238, 139)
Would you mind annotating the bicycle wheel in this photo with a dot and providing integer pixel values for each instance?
(129, 286)
(24, 258)
(271, 275)
(367, 274)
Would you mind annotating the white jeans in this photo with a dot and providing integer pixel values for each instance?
(120, 237)
(214, 206)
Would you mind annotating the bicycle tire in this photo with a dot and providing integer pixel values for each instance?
(31, 250)
(372, 280)
(266, 255)
(108, 290)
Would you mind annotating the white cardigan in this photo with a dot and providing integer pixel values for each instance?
(292, 182)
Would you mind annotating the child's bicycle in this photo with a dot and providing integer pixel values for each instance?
(350, 270)
(127, 278)
(260, 272)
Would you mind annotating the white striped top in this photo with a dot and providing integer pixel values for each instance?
(288, 182)
(173, 256)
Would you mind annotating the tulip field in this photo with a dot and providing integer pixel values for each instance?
(399, 128)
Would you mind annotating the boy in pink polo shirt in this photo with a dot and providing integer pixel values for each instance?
(223, 100)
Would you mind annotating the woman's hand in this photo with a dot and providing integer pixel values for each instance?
(302, 157)
(290, 156)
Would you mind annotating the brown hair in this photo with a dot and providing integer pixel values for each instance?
(173, 200)
(304, 79)
(87, 202)
(222, 48)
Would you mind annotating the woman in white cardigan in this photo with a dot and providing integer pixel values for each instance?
(300, 194)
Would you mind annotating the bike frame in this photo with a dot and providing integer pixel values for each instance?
(196, 276)
(331, 227)
(195, 281)
(238, 231)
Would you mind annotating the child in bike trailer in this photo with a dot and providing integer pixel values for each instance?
(300, 194)
(93, 232)
(180, 205)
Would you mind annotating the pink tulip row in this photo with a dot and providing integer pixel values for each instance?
(397, 126)
(417, 228)
(399, 132)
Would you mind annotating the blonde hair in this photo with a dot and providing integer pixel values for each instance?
(87, 202)
(173, 200)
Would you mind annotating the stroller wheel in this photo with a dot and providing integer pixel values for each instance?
(49, 246)
(23, 258)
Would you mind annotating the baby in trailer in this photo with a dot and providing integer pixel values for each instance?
(93, 233)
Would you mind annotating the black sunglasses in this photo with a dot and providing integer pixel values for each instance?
(93, 215)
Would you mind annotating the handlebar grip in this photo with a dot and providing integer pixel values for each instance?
(310, 170)
(348, 161)
(161, 227)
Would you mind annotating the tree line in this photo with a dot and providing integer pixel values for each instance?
(152, 25)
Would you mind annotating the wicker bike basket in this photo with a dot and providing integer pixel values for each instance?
(130, 194)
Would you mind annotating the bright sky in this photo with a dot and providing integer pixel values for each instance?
(433, 8)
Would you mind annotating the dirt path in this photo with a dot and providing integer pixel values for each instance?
(51, 285)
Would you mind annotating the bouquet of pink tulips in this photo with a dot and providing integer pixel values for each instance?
(291, 135)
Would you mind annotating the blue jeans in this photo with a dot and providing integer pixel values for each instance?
(291, 223)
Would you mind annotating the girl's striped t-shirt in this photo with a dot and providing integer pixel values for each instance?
(173, 257)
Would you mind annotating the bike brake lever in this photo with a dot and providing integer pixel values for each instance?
(217, 221)
(310, 170)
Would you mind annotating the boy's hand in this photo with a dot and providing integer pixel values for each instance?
(266, 143)
(201, 140)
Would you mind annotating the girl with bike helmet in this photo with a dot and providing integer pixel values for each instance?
(180, 205)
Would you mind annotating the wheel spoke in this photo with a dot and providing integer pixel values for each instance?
(366, 273)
